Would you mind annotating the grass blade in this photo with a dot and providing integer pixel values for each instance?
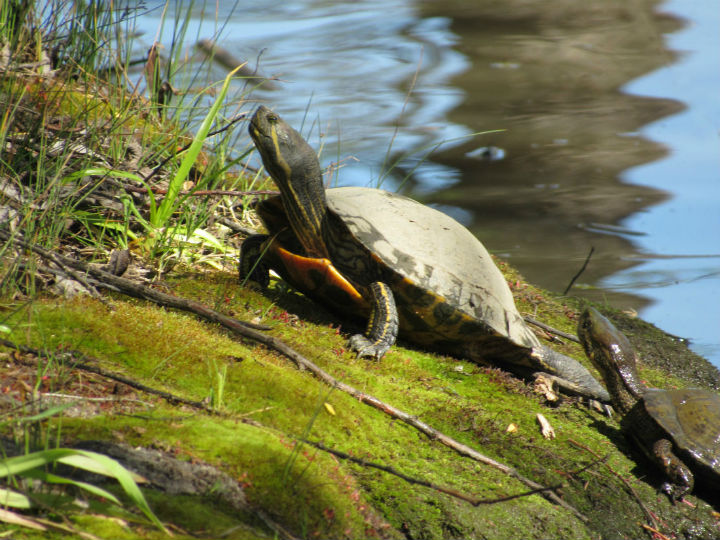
(55, 479)
(167, 206)
(13, 499)
(16, 519)
(82, 459)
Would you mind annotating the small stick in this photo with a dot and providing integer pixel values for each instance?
(90, 399)
(547, 328)
(655, 532)
(475, 501)
(572, 281)
(230, 224)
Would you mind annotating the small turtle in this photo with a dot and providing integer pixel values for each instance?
(399, 264)
(678, 430)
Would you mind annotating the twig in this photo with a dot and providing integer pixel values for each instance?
(41, 522)
(475, 501)
(588, 466)
(279, 530)
(654, 531)
(572, 281)
(200, 192)
(550, 329)
(249, 331)
(90, 399)
(230, 224)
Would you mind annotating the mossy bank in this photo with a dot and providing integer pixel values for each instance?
(267, 405)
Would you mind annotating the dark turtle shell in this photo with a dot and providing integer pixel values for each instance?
(691, 419)
(447, 288)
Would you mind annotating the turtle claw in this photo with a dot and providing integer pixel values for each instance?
(364, 348)
(675, 493)
(607, 409)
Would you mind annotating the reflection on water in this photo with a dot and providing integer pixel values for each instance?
(550, 77)
(680, 259)
(376, 78)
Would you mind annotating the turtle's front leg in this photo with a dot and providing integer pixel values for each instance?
(251, 266)
(681, 479)
(382, 327)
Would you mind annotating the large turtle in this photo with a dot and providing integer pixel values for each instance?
(678, 430)
(399, 264)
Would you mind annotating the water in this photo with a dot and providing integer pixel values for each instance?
(609, 138)
(680, 256)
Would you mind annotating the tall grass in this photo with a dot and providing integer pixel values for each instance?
(79, 136)
(91, 159)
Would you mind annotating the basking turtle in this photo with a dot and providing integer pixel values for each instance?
(678, 430)
(401, 265)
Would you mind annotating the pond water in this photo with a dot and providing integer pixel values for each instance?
(547, 129)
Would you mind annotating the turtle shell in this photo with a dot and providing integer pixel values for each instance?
(446, 285)
(691, 418)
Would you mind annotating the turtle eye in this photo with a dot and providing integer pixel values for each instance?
(272, 118)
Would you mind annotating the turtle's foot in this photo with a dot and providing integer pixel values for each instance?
(382, 325)
(674, 492)
(366, 348)
(603, 408)
(680, 477)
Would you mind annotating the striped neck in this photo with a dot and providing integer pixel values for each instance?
(294, 166)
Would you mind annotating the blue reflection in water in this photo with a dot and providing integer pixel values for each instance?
(682, 271)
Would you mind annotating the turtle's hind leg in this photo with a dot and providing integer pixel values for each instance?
(681, 479)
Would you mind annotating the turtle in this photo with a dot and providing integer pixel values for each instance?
(402, 266)
(678, 430)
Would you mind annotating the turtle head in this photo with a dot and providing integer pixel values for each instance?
(295, 168)
(613, 356)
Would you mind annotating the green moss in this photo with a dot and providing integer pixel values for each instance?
(314, 494)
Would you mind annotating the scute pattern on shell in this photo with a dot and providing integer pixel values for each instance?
(435, 253)
(691, 418)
